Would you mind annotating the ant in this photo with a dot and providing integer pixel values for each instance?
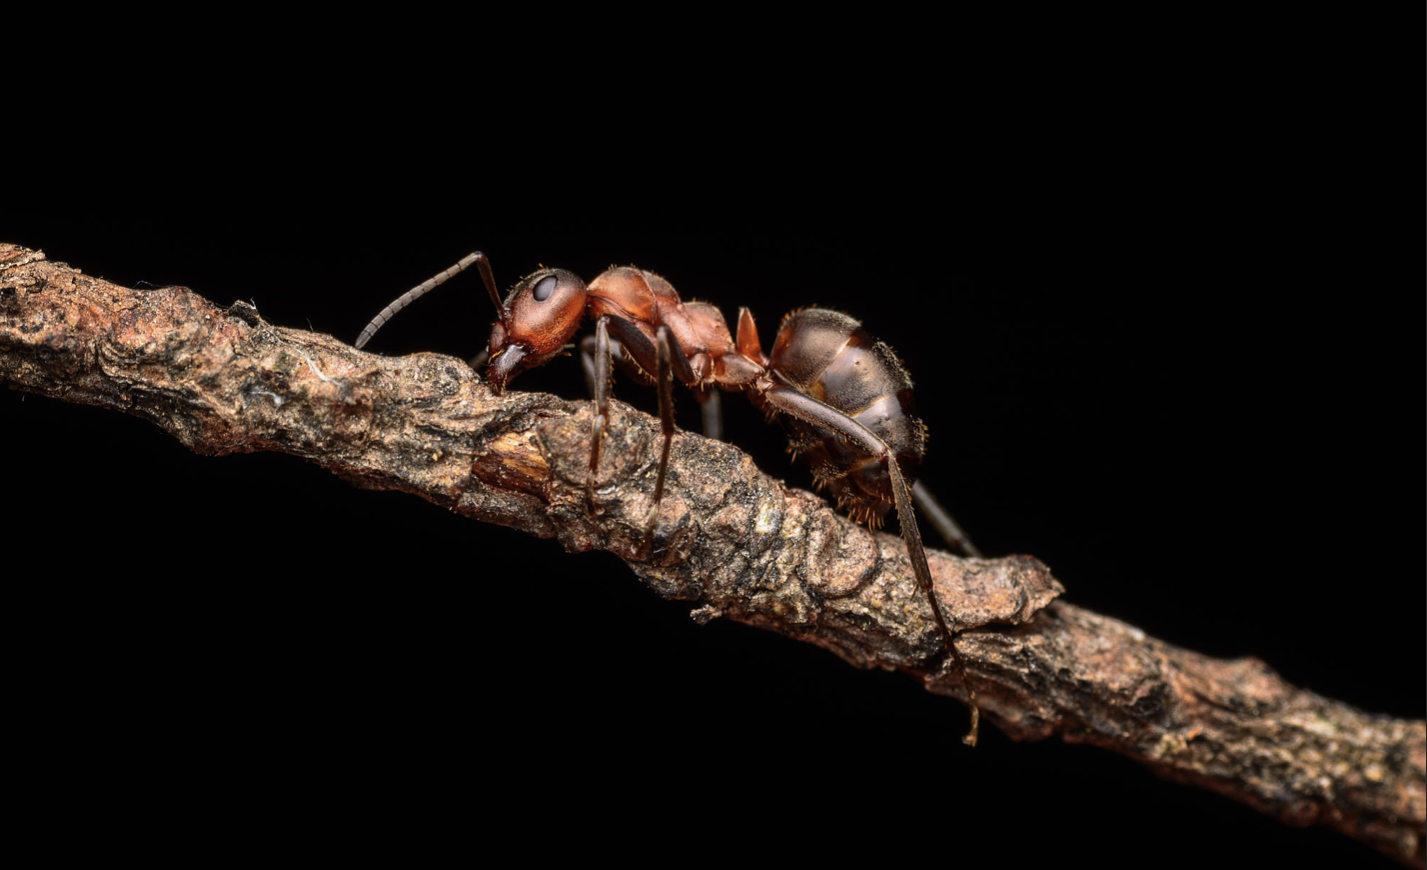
(843, 396)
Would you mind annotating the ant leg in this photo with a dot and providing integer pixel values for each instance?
(601, 382)
(617, 355)
(913, 537)
(642, 357)
(942, 521)
(587, 361)
(709, 402)
(804, 407)
(712, 408)
(664, 338)
(661, 360)
(666, 359)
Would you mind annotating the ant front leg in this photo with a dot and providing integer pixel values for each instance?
(794, 403)
(710, 406)
(589, 350)
(601, 379)
(665, 359)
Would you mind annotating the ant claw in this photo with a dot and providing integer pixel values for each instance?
(955, 662)
(651, 523)
(975, 730)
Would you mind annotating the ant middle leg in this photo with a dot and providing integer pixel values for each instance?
(660, 362)
(710, 405)
(712, 408)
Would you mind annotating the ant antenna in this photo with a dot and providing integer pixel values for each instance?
(425, 287)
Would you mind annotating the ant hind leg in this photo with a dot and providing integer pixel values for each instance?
(942, 521)
(805, 407)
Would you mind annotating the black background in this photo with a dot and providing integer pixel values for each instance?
(1161, 323)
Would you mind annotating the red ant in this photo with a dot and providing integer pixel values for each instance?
(843, 396)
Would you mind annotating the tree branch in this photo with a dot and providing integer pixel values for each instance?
(737, 542)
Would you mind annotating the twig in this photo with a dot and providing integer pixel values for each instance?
(730, 538)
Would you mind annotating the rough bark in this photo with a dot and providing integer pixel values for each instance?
(728, 537)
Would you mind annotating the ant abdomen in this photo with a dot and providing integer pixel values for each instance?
(828, 355)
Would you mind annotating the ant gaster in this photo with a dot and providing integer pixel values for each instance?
(843, 396)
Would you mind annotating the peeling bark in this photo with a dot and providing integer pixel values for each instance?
(728, 537)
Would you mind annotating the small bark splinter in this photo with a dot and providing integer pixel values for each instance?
(739, 543)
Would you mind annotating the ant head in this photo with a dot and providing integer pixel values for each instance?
(536, 322)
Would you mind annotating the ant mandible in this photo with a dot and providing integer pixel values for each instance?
(843, 396)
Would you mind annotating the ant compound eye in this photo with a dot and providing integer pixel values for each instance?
(545, 310)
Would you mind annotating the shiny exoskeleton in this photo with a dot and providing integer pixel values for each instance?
(828, 356)
(843, 396)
